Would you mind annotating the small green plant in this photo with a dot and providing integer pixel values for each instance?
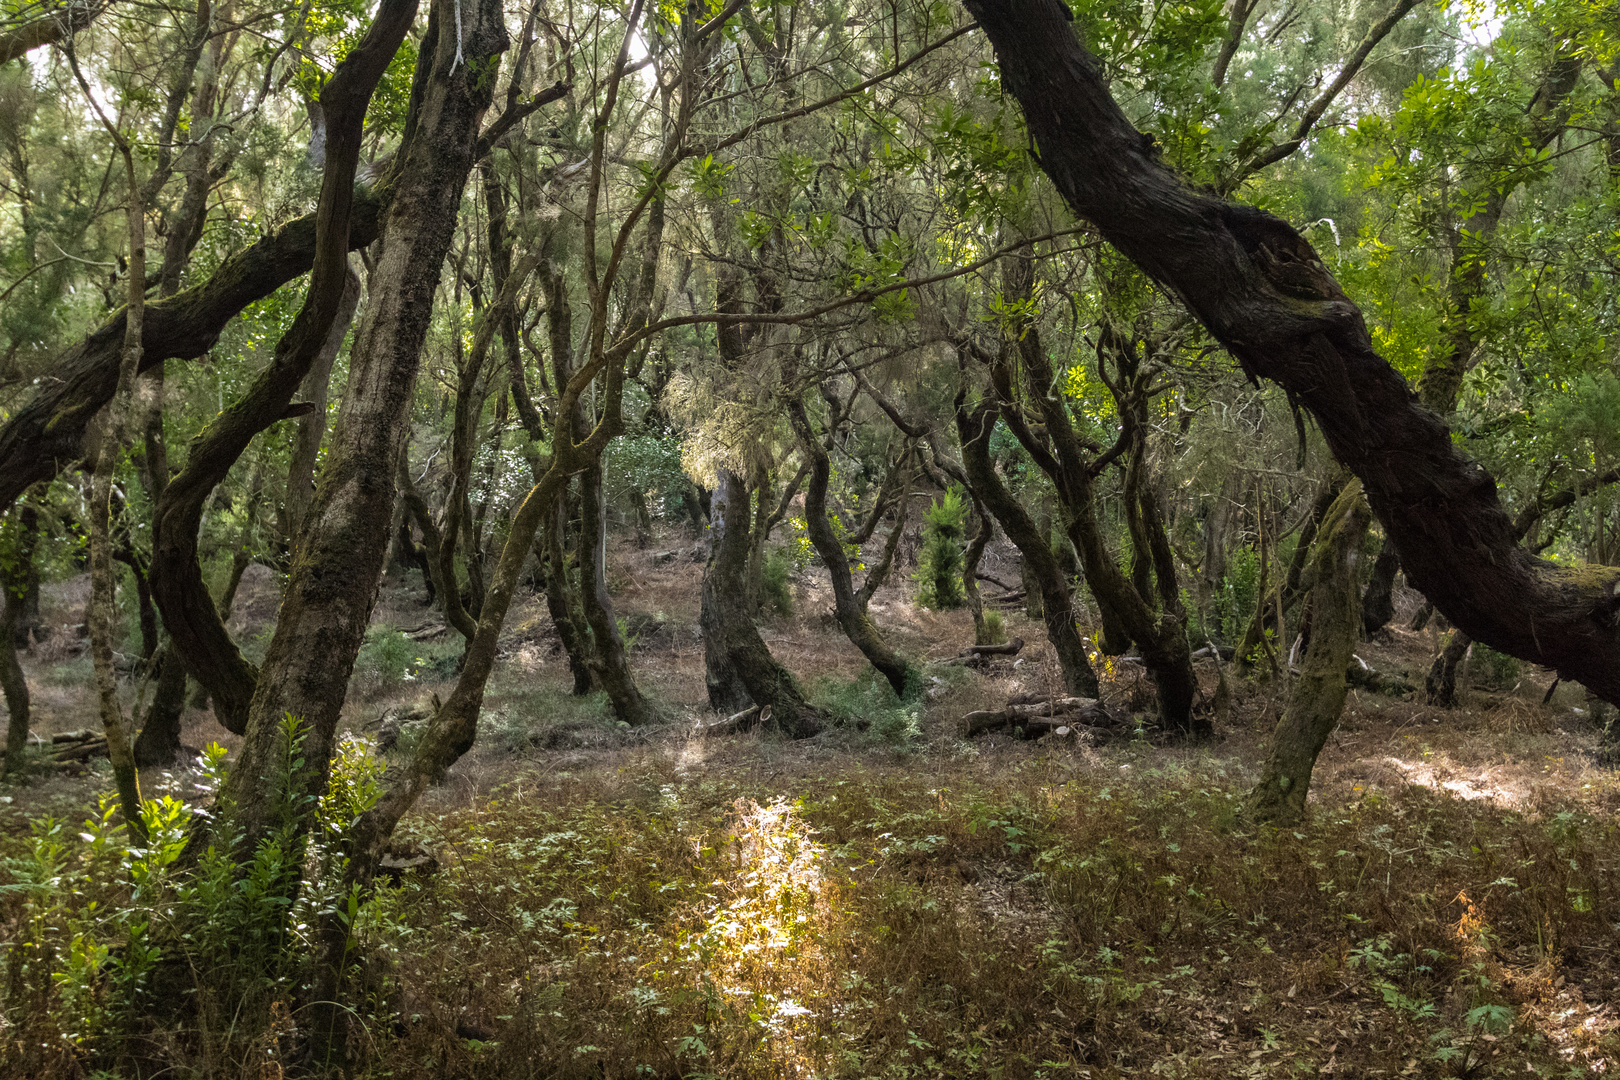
(386, 655)
(939, 567)
(870, 703)
(777, 575)
(995, 628)
(1494, 668)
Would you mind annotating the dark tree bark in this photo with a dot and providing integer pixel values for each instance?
(1378, 601)
(562, 601)
(189, 612)
(47, 433)
(741, 670)
(608, 660)
(1317, 698)
(16, 572)
(849, 609)
(159, 740)
(1440, 685)
(333, 581)
(1057, 605)
(311, 429)
(1261, 290)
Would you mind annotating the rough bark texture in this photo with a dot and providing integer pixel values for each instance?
(188, 611)
(741, 669)
(561, 602)
(306, 443)
(1263, 293)
(332, 584)
(609, 662)
(159, 740)
(1440, 685)
(16, 572)
(1317, 698)
(1057, 605)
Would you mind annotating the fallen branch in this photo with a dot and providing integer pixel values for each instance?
(742, 721)
(1011, 648)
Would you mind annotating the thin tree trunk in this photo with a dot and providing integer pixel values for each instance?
(1057, 605)
(306, 441)
(1378, 602)
(608, 660)
(18, 571)
(847, 609)
(1440, 686)
(562, 603)
(1317, 698)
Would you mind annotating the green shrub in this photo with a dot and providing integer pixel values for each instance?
(1494, 668)
(778, 580)
(939, 567)
(869, 702)
(386, 655)
(995, 629)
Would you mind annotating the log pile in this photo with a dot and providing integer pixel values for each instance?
(70, 749)
(1033, 715)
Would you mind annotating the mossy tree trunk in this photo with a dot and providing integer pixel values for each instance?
(16, 572)
(1317, 698)
(740, 668)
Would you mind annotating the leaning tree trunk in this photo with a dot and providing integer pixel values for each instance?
(332, 585)
(850, 612)
(311, 429)
(1057, 604)
(970, 569)
(159, 740)
(1317, 698)
(1264, 293)
(740, 668)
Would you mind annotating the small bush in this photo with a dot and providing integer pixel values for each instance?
(778, 581)
(995, 629)
(870, 703)
(939, 568)
(386, 655)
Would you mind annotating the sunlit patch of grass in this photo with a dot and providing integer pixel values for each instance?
(864, 922)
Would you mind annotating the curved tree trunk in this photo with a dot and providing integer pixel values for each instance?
(740, 668)
(332, 585)
(1317, 698)
(159, 740)
(311, 429)
(1262, 291)
(1057, 604)
(850, 611)
(1440, 685)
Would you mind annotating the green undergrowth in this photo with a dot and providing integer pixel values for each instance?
(866, 924)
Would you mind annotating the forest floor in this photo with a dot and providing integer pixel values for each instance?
(890, 899)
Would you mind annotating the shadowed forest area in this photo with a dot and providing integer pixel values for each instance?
(765, 538)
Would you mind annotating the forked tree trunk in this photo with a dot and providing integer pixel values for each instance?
(332, 585)
(1262, 291)
(740, 668)
(1057, 604)
(1317, 698)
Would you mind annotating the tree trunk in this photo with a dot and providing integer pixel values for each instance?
(16, 572)
(562, 601)
(740, 669)
(306, 441)
(1440, 686)
(847, 609)
(974, 428)
(970, 569)
(332, 584)
(608, 660)
(1378, 602)
(1317, 698)
(1262, 291)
